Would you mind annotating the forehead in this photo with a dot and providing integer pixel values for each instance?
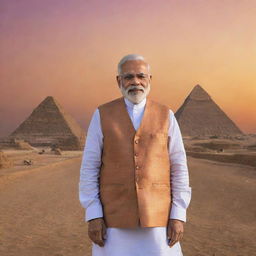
(135, 66)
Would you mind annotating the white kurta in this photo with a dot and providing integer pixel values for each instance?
(139, 241)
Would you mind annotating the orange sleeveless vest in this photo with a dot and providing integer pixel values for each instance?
(135, 187)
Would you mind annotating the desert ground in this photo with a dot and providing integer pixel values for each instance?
(41, 215)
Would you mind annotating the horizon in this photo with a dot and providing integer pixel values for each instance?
(59, 103)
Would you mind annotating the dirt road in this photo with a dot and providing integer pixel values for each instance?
(41, 215)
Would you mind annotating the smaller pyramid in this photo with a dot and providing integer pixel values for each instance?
(199, 115)
(48, 125)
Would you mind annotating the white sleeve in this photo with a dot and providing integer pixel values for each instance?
(90, 168)
(181, 192)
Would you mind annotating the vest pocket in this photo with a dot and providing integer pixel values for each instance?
(112, 192)
(113, 197)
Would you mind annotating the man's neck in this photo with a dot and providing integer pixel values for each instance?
(132, 104)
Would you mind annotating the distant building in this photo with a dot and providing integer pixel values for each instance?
(199, 115)
(49, 125)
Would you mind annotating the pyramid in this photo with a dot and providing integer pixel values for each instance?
(199, 115)
(49, 124)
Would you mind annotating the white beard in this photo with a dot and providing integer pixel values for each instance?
(135, 97)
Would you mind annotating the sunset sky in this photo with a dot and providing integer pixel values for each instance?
(69, 49)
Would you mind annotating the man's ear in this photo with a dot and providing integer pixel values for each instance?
(118, 81)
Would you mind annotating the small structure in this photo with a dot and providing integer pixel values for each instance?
(18, 144)
(21, 144)
(41, 152)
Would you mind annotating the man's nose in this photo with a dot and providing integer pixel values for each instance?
(136, 80)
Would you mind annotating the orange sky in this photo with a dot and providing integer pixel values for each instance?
(70, 49)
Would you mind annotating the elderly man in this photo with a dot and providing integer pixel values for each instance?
(134, 179)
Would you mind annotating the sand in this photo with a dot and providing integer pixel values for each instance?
(41, 214)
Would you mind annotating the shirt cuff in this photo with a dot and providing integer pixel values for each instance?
(93, 212)
(178, 213)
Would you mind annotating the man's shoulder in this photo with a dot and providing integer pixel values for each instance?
(110, 103)
(159, 105)
(120, 100)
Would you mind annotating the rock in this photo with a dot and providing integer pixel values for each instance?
(57, 151)
(27, 162)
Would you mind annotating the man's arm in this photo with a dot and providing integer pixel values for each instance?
(181, 191)
(89, 171)
(89, 180)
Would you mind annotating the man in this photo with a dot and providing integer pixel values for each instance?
(134, 179)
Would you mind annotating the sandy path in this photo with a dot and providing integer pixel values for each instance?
(222, 213)
(41, 214)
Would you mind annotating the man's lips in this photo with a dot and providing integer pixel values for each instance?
(135, 90)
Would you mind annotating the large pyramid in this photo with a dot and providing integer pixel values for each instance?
(49, 124)
(199, 115)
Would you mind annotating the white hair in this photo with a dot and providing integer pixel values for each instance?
(130, 57)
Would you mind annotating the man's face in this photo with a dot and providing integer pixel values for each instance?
(134, 80)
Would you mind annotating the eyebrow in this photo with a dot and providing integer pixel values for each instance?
(141, 73)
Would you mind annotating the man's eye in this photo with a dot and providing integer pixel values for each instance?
(141, 76)
(128, 77)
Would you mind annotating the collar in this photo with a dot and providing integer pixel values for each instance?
(135, 106)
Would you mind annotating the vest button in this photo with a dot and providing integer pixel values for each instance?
(137, 167)
(136, 141)
(136, 154)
